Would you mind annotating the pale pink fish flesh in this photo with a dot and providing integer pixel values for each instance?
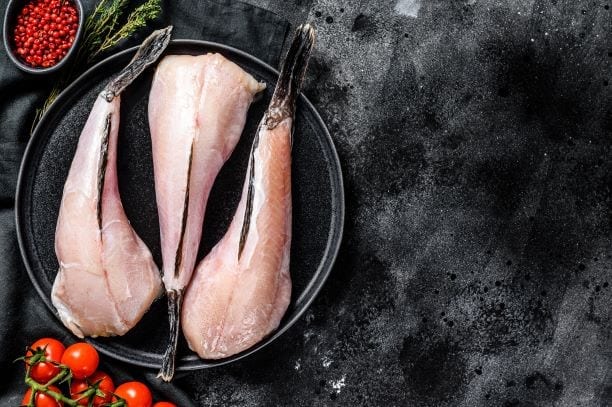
(197, 111)
(242, 289)
(107, 278)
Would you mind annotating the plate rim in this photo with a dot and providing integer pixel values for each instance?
(323, 270)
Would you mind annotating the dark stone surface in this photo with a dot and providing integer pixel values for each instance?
(475, 137)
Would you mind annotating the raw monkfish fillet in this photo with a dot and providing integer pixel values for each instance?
(107, 279)
(241, 290)
(197, 111)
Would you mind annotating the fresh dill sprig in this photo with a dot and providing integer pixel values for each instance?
(101, 32)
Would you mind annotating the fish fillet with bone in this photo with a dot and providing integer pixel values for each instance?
(197, 111)
(107, 278)
(241, 290)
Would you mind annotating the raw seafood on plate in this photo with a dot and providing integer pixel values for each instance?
(241, 290)
(107, 278)
(197, 111)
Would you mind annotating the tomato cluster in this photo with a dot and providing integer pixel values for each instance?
(45, 31)
(49, 363)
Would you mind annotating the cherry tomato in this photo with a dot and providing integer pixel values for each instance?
(135, 394)
(77, 387)
(42, 372)
(82, 359)
(164, 404)
(105, 384)
(41, 399)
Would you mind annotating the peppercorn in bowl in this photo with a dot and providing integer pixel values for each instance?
(40, 36)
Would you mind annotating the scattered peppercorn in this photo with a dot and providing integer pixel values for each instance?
(44, 31)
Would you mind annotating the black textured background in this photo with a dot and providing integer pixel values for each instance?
(475, 137)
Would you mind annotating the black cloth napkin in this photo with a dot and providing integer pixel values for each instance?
(23, 316)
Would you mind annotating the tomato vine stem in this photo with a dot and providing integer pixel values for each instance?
(63, 374)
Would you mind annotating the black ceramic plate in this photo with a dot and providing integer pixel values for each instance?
(318, 200)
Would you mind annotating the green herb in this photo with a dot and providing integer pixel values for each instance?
(103, 29)
(137, 19)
